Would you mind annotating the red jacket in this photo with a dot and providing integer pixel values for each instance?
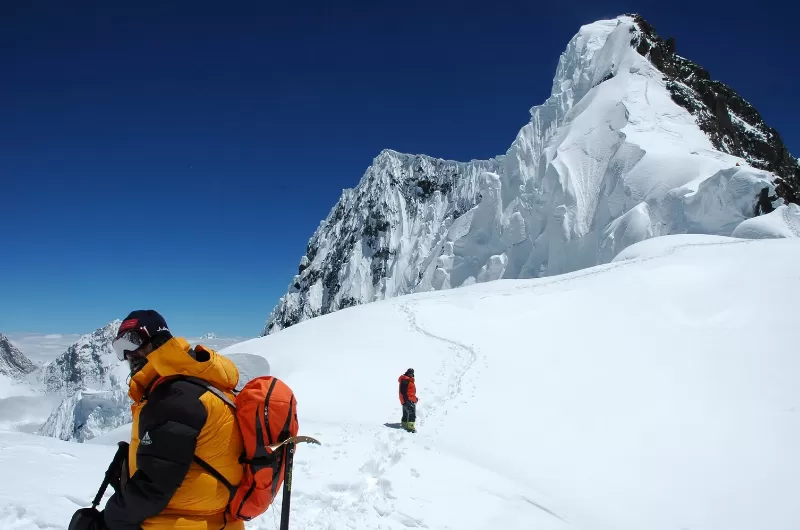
(408, 391)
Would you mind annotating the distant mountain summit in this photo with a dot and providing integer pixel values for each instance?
(732, 124)
(94, 385)
(89, 363)
(634, 141)
(13, 362)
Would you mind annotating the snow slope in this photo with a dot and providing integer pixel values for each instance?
(783, 222)
(609, 159)
(46, 480)
(647, 393)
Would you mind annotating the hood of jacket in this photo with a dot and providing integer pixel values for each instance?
(404, 376)
(176, 357)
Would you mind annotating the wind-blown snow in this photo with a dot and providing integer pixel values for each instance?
(610, 159)
(649, 392)
(23, 407)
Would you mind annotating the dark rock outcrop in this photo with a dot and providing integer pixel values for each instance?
(12, 361)
(733, 125)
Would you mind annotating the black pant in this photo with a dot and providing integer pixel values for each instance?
(409, 412)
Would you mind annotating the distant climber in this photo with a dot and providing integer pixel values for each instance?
(408, 399)
(764, 203)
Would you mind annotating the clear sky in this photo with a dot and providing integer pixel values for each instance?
(179, 155)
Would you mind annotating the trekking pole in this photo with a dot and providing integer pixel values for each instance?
(113, 469)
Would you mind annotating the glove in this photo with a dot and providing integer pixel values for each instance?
(119, 467)
(87, 519)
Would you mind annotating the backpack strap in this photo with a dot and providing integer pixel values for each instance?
(211, 388)
(200, 462)
(217, 475)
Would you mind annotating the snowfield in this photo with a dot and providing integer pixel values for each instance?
(655, 392)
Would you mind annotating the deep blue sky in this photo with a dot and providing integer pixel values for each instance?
(178, 155)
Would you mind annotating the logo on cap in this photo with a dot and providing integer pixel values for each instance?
(128, 324)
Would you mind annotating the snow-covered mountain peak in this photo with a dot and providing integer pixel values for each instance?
(633, 142)
(13, 362)
(732, 124)
(90, 363)
(374, 222)
(587, 60)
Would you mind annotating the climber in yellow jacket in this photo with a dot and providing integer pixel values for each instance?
(180, 429)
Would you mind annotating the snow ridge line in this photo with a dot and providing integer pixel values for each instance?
(614, 266)
(456, 388)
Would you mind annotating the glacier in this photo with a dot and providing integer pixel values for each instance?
(620, 152)
(87, 414)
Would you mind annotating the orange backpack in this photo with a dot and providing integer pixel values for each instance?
(266, 411)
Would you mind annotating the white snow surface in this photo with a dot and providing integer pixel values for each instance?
(607, 161)
(783, 222)
(647, 393)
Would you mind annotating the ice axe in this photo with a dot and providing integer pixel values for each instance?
(290, 444)
(113, 473)
(90, 518)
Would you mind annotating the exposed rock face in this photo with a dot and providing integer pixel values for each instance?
(13, 362)
(732, 124)
(405, 203)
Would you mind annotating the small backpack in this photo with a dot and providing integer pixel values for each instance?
(266, 411)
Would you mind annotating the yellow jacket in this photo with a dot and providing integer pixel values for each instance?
(173, 421)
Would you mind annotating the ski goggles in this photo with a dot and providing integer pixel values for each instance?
(129, 342)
